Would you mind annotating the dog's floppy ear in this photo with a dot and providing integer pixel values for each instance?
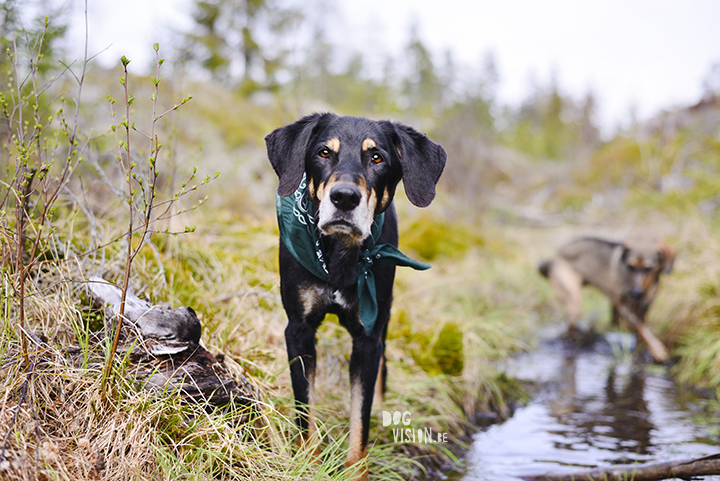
(667, 257)
(286, 148)
(625, 254)
(422, 162)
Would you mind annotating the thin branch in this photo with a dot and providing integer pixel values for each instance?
(684, 469)
(130, 254)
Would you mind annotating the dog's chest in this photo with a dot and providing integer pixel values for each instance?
(317, 298)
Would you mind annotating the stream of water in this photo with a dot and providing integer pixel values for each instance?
(593, 408)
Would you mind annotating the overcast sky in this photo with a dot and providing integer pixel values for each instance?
(646, 55)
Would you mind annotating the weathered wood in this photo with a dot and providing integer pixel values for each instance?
(685, 469)
(154, 321)
(163, 345)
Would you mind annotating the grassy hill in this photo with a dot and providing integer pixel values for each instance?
(212, 245)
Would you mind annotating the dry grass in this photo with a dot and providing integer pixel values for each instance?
(483, 282)
(688, 308)
(58, 426)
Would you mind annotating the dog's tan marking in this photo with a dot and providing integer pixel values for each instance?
(639, 263)
(362, 182)
(340, 300)
(311, 186)
(356, 451)
(312, 427)
(372, 203)
(379, 396)
(333, 144)
(308, 439)
(385, 199)
(647, 282)
(368, 144)
(322, 188)
(320, 192)
(310, 297)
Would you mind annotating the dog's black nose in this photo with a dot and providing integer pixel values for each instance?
(345, 197)
(636, 292)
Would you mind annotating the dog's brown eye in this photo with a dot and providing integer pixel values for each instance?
(324, 153)
(376, 158)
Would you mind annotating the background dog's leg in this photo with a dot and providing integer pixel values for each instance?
(364, 366)
(300, 341)
(567, 284)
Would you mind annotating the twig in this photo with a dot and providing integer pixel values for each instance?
(656, 347)
(684, 469)
(130, 256)
(21, 218)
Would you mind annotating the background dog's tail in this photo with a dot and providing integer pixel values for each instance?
(544, 267)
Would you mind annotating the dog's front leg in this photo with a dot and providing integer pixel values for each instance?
(364, 363)
(300, 341)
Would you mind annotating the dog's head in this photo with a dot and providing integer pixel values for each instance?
(646, 258)
(352, 166)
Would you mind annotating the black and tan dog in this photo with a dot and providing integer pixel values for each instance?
(338, 249)
(628, 273)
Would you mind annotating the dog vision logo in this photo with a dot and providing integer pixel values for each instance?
(404, 433)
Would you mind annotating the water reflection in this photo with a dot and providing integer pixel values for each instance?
(591, 410)
(612, 416)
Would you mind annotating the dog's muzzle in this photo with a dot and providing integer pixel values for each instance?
(638, 286)
(345, 210)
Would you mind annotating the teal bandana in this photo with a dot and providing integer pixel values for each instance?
(301, 236)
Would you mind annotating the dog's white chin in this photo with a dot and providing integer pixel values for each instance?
(355, 225)
(351, 231)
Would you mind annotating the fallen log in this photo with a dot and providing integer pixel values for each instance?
(163, 345)
(685, 469)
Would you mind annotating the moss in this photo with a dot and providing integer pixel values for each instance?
(442, 353)
(431, 237)
(448, 350)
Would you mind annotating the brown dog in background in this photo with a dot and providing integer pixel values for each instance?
(628, 273)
